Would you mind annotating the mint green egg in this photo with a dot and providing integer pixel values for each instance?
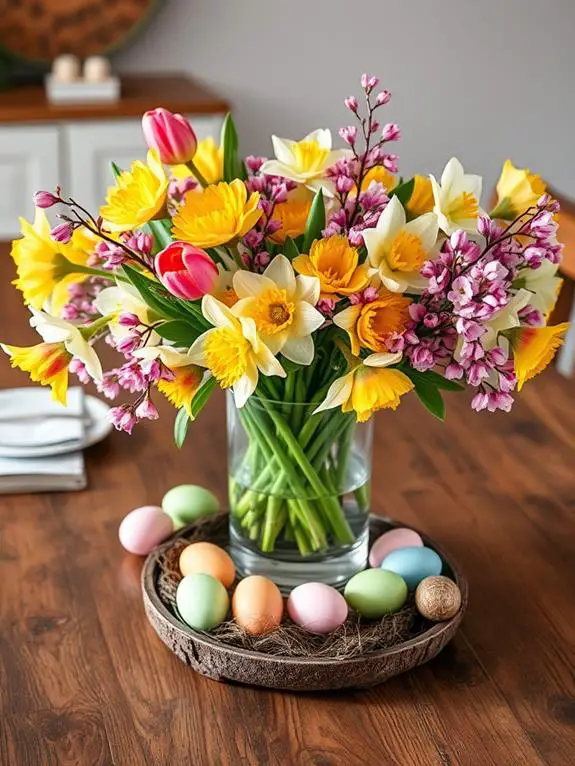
(375, 592)
(189, 502)
(202, 601)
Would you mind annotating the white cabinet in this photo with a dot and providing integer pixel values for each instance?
(77, 155)
(91, 147)
(30, 159)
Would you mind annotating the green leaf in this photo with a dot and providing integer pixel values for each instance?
(181, 427)
(289, 249)
(178, 331)
(151, 293)
(434, 379)
(233, 166)
(315, 221)
(404, 191)
(117, 171)
(431, 398)
(160, 232)
(203, 394)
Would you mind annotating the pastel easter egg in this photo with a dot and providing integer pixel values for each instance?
(188, 502)
(317, 607)
(375, 592)
(390, 541)
(144, 528)
(413, 564)
(202, 601)
(257, 605)
(210, 559)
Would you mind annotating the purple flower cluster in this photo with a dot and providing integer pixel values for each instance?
(359, 208)
(110, 256)
(81, 296)
(469, 285)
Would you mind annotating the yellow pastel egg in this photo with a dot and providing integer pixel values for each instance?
(257, 605)
(207, 558)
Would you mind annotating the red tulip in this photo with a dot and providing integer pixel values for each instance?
(186, 271)
(172, 136)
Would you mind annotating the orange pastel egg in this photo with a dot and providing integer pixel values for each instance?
(207, 558)
(257, 605)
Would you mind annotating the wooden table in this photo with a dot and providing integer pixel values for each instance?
(85, 680)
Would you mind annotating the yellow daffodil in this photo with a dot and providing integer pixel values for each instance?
(534, 348)
(517, 190)
(421, 200)
(139, 195)
(456, 198)
(217, 215)
(368, 387)
(48, 362)
(293, 217)
(336, 264)
(209, 160)
(282, 307)
(233, 351)
(381, 176)
(544, 285)
(179, 391)
(397, 248)
(370, 325)
(305, 161)
(47, 268)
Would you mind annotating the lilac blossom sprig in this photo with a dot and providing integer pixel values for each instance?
(356, 212)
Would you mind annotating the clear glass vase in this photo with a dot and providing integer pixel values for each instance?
(298, 491)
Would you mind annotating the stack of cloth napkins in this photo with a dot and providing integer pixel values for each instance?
(41, 442)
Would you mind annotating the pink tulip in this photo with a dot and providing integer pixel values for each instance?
(186, 271)
(172, 136)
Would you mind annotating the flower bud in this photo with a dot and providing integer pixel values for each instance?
(383, 98)
(349, 134)
(352, 104)
(390, 132)
(62, 232)
(171, 135)
(45, 199)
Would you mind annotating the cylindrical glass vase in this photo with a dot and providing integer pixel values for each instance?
(299, 491)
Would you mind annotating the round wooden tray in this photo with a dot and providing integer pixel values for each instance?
(223, 662)
(40, 30)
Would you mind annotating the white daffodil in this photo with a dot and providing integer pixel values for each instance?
(305, 161)
(456, 198)
(55, 330)
(397, 249)
(368, 387)
(544, 285)
(171, 357)
(505, 319)
(123, 298)
(282, 307)
(233, 351)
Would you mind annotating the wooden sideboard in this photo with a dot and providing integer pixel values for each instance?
(42, 144)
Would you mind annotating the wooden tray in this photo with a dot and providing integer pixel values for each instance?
(223, 662)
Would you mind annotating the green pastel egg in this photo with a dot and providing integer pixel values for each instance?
(202, 601)
(188, 502)
(375, 592)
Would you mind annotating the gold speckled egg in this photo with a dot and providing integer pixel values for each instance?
(437, 598)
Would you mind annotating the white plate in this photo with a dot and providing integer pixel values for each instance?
(99, 428)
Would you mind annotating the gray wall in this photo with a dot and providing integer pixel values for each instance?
(481, 79)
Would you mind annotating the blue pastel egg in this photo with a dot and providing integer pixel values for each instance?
(413, 564)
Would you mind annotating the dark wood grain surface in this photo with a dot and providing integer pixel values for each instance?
(85, 680)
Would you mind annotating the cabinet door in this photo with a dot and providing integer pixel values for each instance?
(91, 147)
(29, 160)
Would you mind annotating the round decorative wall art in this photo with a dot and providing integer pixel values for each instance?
(40, 30)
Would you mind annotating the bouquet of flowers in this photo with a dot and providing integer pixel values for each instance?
(318, 286)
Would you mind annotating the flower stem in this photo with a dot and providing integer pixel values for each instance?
(199, 177)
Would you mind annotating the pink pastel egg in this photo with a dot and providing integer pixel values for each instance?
(144, 528)
(317, 607)
(389, 541)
